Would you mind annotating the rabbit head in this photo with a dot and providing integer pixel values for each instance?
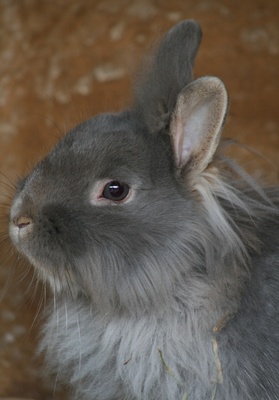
(117, 211)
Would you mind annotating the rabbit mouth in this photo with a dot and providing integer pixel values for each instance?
(26, 238)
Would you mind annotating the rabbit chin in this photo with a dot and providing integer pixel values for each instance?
(57, 282)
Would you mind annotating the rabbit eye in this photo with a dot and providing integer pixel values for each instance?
(115, 191)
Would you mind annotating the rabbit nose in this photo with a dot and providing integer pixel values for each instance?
(22, 222)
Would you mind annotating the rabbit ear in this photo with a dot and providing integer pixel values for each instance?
(197, 123)
(170, 71)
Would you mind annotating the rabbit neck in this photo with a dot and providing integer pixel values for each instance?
(176, 348)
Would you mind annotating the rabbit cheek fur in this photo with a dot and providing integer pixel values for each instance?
(172, 292)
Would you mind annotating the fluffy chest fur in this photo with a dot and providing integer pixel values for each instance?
(125, 358)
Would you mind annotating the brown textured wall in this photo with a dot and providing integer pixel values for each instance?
(65, 60)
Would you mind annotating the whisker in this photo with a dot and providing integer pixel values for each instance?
(38, 311)
(33, 284)
(59, 130)
(5, 239)
(23, 276)
(7, 197)
(56, 381)
(10, 277)
(79, 335)
(68, 281)
(55, 307)
(66, 314)
(10, 184)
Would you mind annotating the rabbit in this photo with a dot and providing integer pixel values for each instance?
(161, 252)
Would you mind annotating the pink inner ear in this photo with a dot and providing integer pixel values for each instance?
(186, 151)
(182, 148)
(176, 129)
(197, 122)
(184, 140)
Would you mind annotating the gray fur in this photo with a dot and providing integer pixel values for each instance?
(174, 292)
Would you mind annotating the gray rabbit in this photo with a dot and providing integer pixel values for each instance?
(163, 255)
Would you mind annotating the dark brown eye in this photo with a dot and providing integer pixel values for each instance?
(115, 191)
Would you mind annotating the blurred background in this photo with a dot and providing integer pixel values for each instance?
(61, 61)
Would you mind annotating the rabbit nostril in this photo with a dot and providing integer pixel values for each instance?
(22, 222)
